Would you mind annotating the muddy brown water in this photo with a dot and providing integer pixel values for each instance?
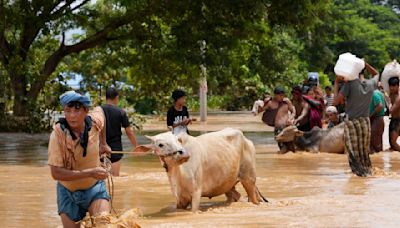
(304, 189)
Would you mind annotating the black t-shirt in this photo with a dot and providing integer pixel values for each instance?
(174, 116)
(115, 119)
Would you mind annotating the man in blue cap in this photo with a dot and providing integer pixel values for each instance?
(75, 145)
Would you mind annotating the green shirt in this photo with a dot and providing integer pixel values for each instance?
(377, 98)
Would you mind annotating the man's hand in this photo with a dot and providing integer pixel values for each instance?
(99, 173)
(290, 122)
(186, 121)
(105, 149)
(339, 79)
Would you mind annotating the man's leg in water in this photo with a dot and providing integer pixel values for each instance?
(67, 222)
(116, 167)
(282, 146)
(393, 135)
(99, 207)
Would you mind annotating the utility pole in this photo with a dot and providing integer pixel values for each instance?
(2, 95)
(203, 82)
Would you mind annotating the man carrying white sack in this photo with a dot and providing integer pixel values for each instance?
(357, 134)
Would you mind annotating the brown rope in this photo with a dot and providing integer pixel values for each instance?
(110, 182)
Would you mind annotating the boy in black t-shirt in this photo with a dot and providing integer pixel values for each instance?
(115, 119)
(178, 115)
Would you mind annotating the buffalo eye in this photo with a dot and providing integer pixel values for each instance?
(160, 145)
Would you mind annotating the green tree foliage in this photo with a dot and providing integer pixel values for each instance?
(369, 29)
(32, 38)
(252, 46)
(249, 48)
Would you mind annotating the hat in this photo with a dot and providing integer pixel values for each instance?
(178, 93)
(72, 96)
(331, 109)
(279, 90)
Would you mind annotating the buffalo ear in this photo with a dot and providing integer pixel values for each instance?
(299, 133)
(151, 138)
(143, 148)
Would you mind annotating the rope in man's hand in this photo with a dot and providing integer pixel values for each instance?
(106, 164)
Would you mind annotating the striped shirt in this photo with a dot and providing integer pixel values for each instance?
(328, 100)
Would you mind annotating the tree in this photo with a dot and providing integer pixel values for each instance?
(159, 33)
(369, 29)
(32, 37)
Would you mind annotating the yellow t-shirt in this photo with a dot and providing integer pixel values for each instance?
(65, 152)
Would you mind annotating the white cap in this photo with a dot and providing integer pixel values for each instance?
(331, 109)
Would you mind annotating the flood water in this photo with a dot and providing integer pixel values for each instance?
(304, 189)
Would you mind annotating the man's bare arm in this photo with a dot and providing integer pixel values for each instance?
(131, 135)
(377, 109)
(371, 69)
(304, 113)
(338, 98)
(104, 148)
(63, 174)
(395, 107)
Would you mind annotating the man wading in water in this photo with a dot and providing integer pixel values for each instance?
(357, 132)
(73, 156)
(276, 114)
(115, 119)
(394, 126)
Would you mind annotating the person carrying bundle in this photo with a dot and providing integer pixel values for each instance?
(358, 96)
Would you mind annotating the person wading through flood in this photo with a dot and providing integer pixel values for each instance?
(357, 133)
(75, 145)
(302, 109)
(115, 119)
(394, 126)
(276, 114)
(178, 116)
(377, 112)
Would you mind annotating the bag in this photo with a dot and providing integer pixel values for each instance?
(269, 115)
(391, 69)
(349, 66)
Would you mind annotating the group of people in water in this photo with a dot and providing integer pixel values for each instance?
(79, 141)
(360, 104)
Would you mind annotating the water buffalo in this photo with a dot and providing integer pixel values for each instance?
(207, 166)
(317, 140)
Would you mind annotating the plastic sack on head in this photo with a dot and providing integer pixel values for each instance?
(391, 69)
(349, 66)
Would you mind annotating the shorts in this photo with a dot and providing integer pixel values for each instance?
(76, 204)
(116, 157)
(394, 125)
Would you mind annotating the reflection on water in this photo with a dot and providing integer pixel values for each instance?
(304, 190)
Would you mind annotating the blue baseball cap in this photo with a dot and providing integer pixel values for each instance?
(72, 96)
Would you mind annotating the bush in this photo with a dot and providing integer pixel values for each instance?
(146, 106)
(136, 120)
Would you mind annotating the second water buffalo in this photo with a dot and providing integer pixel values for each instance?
(317, 140)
